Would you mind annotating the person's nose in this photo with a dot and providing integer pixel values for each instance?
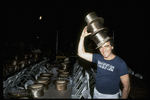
(104, 49)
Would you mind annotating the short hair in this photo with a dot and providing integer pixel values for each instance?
(111, 41)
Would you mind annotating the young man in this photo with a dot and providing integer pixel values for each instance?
(110, 70)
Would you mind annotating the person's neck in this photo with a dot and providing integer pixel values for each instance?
(110, 57)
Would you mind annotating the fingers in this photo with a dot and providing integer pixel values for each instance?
(84, 32)
(85, 27)
(89, 33)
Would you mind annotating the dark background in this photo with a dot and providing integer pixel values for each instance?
(127, 20)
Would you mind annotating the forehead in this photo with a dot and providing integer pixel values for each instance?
(106, 43)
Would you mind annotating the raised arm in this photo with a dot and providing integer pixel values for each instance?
(81, 51)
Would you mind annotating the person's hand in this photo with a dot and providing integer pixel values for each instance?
(84, 32)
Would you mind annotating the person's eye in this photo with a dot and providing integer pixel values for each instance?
(107, 46)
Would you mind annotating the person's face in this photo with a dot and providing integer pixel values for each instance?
(106, 50)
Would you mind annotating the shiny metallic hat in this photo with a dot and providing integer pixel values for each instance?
(95, 26)
(92, 16)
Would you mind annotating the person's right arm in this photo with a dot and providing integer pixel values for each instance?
(81, 51)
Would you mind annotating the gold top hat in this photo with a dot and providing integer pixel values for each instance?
(95, 26)
(92, 17)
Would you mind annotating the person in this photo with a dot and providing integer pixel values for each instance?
(110, 70)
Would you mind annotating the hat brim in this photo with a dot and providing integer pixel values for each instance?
(99, 45)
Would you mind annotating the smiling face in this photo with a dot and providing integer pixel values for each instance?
(106, 51)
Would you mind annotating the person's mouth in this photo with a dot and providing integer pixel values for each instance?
(104, 53)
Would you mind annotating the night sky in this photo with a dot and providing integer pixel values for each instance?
(126, 19)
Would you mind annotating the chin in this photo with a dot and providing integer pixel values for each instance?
(105, 56)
